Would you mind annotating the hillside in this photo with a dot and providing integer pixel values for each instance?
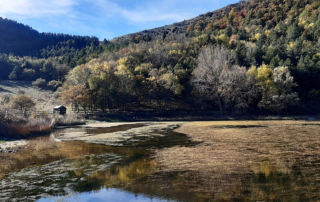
(20, 45)
(265, 56)
(21, 40)
(274, 43)
(179, 27)
(45, 99)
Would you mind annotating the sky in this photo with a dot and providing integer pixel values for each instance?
(104, 19)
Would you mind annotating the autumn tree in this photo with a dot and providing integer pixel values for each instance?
(78, 75)
(164, 85)
(78, 96)
(284, 96)
(124, 83)
(276, 87)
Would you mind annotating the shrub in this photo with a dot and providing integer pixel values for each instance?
(56, 95)
(41, 83)
(24, 129)
(21, 92)
(68, 120)
(54, 84)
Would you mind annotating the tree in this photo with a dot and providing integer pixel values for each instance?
(22, 102)
(266, 84)
(228, 31)
(208, 78)
(78, 96)
(124, 85)
(14, 75)
(276, 87)
(60, 71)
(102, 84)
(78, 75)
(284, 96)
(293, 32)
(238, 90)
(47, 68)
(164, 84)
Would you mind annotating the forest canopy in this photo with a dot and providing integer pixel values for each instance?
(254, 56)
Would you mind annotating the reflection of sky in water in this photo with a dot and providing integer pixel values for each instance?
(112, 194)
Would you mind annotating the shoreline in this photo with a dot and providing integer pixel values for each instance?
(176, 117)
(137, 120)
(12, 146)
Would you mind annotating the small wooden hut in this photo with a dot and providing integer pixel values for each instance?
(62, 110)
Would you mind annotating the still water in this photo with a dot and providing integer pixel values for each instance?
(51, 170)
(104, 194)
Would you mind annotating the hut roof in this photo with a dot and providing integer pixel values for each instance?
(59, 107)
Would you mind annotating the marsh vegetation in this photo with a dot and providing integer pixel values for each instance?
(198, 161)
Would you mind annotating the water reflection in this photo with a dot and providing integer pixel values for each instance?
(45, 149)
(79, 168)
(104, 194)
(101, 130)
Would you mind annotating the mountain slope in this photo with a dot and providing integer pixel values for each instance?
(179, 27)
(265, 37)
(22, 40)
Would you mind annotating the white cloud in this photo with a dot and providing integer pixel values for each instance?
(146, 11)
(35, 8)
(150, 12)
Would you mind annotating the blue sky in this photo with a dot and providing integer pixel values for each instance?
(104, 18)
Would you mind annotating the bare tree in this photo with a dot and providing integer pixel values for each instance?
(238, 89)
(209, 77)
(60, 71)
(22, 102)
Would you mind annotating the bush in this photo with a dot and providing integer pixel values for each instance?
(22, 92)
(56, 95)
(41, 83)
(25, 129)
(54, 84)
(68, 120)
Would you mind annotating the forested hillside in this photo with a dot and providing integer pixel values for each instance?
(22, 40)
(259, 56)
(20, 45)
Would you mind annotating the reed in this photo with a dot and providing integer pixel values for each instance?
(68, 120)
(25, 129)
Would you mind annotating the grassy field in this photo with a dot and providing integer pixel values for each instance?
(249, 160)
(44, 98)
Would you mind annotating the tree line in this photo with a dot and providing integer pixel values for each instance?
(258, 56)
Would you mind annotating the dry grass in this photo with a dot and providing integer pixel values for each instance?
(44, 98)
(227, 147)
(232, 150)
(23, 130)
(68, 120)
(43, 150)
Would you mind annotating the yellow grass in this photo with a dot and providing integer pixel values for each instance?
(240, 148)
(23, 130)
